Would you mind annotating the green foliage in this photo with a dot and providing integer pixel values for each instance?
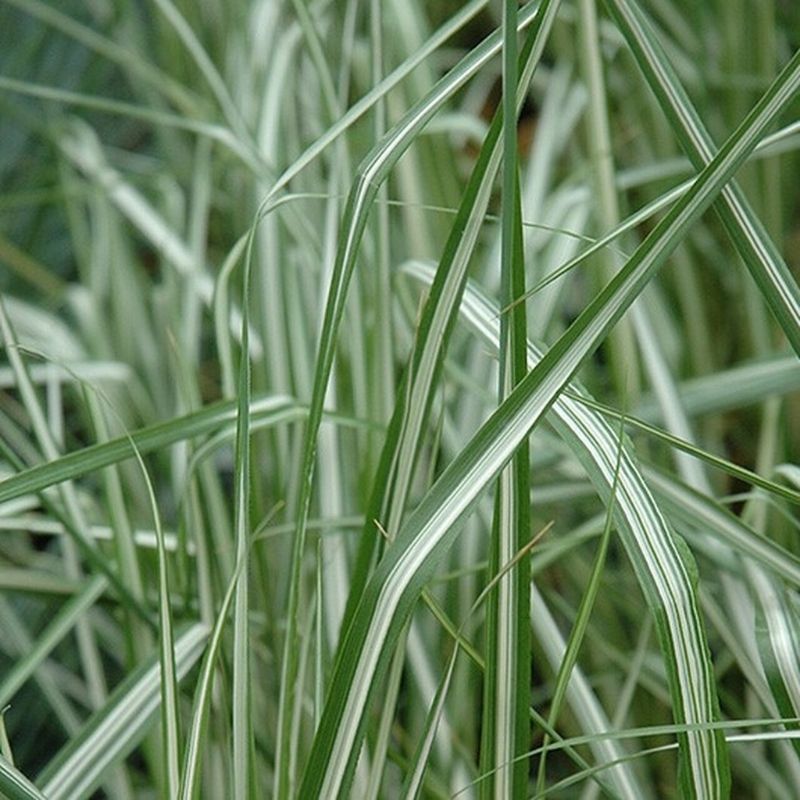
(382, 410)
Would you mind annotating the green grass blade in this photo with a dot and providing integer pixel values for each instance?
(123, 537)
(14, 785)
(205, 65)
(242, 722)
(621, 781)
(506, 724)
(47, 434)
(726, 390)
(192, 758)
(73, 526)
(760, 254)
(80, 146)
(691, 509)
(578, 632)
(336, 266)
(622, 351)
(778, 634)
(431, 528)
(723, 464)
(19, 642)
(139, 66)
(413, 784)
(448, 29)
(107, 105)
(166, 649)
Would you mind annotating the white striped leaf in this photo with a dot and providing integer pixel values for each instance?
(119, 726)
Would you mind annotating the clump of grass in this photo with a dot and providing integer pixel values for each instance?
(314, 315)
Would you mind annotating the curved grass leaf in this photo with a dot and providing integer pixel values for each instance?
(378, 92)
(203, 110)
(728, 467)
(211, 418)
(778, 634)
(403, 438)
(108, 105)
(139, 66)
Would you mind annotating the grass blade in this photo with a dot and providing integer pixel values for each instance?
(371, 174)
(59, 627)
(14, 785)
(760, 254)
(114, 730)
(242, 724)
(506, 728)
(273, 410)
